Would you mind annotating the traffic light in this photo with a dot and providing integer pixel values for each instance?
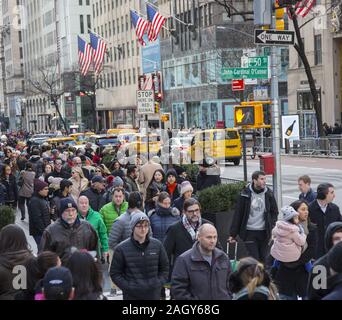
(249, 115)
(158, 97)
(279, 13)
(156, 107)
(165, 117)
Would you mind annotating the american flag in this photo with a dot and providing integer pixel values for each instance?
(156, 22)
(99, 50)
(84, 56)
(302, 8)
(140, 25)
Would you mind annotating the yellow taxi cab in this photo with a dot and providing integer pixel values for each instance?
(58, 140)
(220, 144)
(138, 144)
(118, 131)
(81, 137)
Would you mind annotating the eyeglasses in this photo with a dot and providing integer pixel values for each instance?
(142, 226)
(193, 211)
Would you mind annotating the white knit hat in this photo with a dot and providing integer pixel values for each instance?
(288, 213)
(186, 186)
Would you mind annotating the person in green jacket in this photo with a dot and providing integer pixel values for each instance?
(95, 219)
(114, 209)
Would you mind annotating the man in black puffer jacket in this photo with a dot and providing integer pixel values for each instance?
(140, 265)
(39, 210)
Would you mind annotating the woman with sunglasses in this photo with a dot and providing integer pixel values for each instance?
(79, 182)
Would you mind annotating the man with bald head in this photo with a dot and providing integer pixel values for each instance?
(202, 272)
(95, 219)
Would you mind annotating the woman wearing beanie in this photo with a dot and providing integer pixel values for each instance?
(171, 186)
(186, 193)
(79, 182)
(153, 190)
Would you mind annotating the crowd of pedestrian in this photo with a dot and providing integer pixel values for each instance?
(146, 222)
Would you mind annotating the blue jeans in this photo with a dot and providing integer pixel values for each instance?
(37, 239)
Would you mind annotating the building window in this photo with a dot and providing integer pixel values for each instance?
(118, 24)
(125, 78)
(318, 49)
(127, 49)
(80, 2)
(87, 2)
(123, 51)
(97, 9)
(113, 23)
(126, 22)
(108, 81)
(81, 24)
(116, 79)
(114, 53)
(20, 38)
(88, 22)
(133, 48)
(120, 77)
(112, 78)
(122, 24)
(129, 77)
(110, 29)
(93, 10)
(106, 31)
(300, 63)
(100, 7)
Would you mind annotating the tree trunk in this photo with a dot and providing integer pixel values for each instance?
(301, 52)
(60, 115)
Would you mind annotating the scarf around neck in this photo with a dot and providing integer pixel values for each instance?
(187, 225)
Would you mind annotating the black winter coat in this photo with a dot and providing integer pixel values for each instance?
(292, 278)
(239, 224)
(322, 220)
(60, 237)
(37, 164)
(193, 278)
(318, 294)
(39, 215)
(334, 287)
(95, 198)
(206, 181)
(178, 240)
(8, 260)
(140, 270)
(11, 194)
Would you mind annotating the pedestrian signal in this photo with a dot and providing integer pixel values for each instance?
(248, 116)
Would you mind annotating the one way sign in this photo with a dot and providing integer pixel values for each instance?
(273, 37)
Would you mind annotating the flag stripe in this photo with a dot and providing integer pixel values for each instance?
(156, 21)
(84, 54)
(99, 48)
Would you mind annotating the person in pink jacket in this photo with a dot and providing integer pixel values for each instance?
(289, 237)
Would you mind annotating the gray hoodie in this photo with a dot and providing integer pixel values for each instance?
(256, 220)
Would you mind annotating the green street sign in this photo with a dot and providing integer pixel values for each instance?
(258, 62)
(244, 73)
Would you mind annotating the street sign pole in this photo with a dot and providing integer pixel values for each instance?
(148, 138)
(244, 149)
(275, 119)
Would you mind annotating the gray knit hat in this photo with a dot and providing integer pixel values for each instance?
(138, 217)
